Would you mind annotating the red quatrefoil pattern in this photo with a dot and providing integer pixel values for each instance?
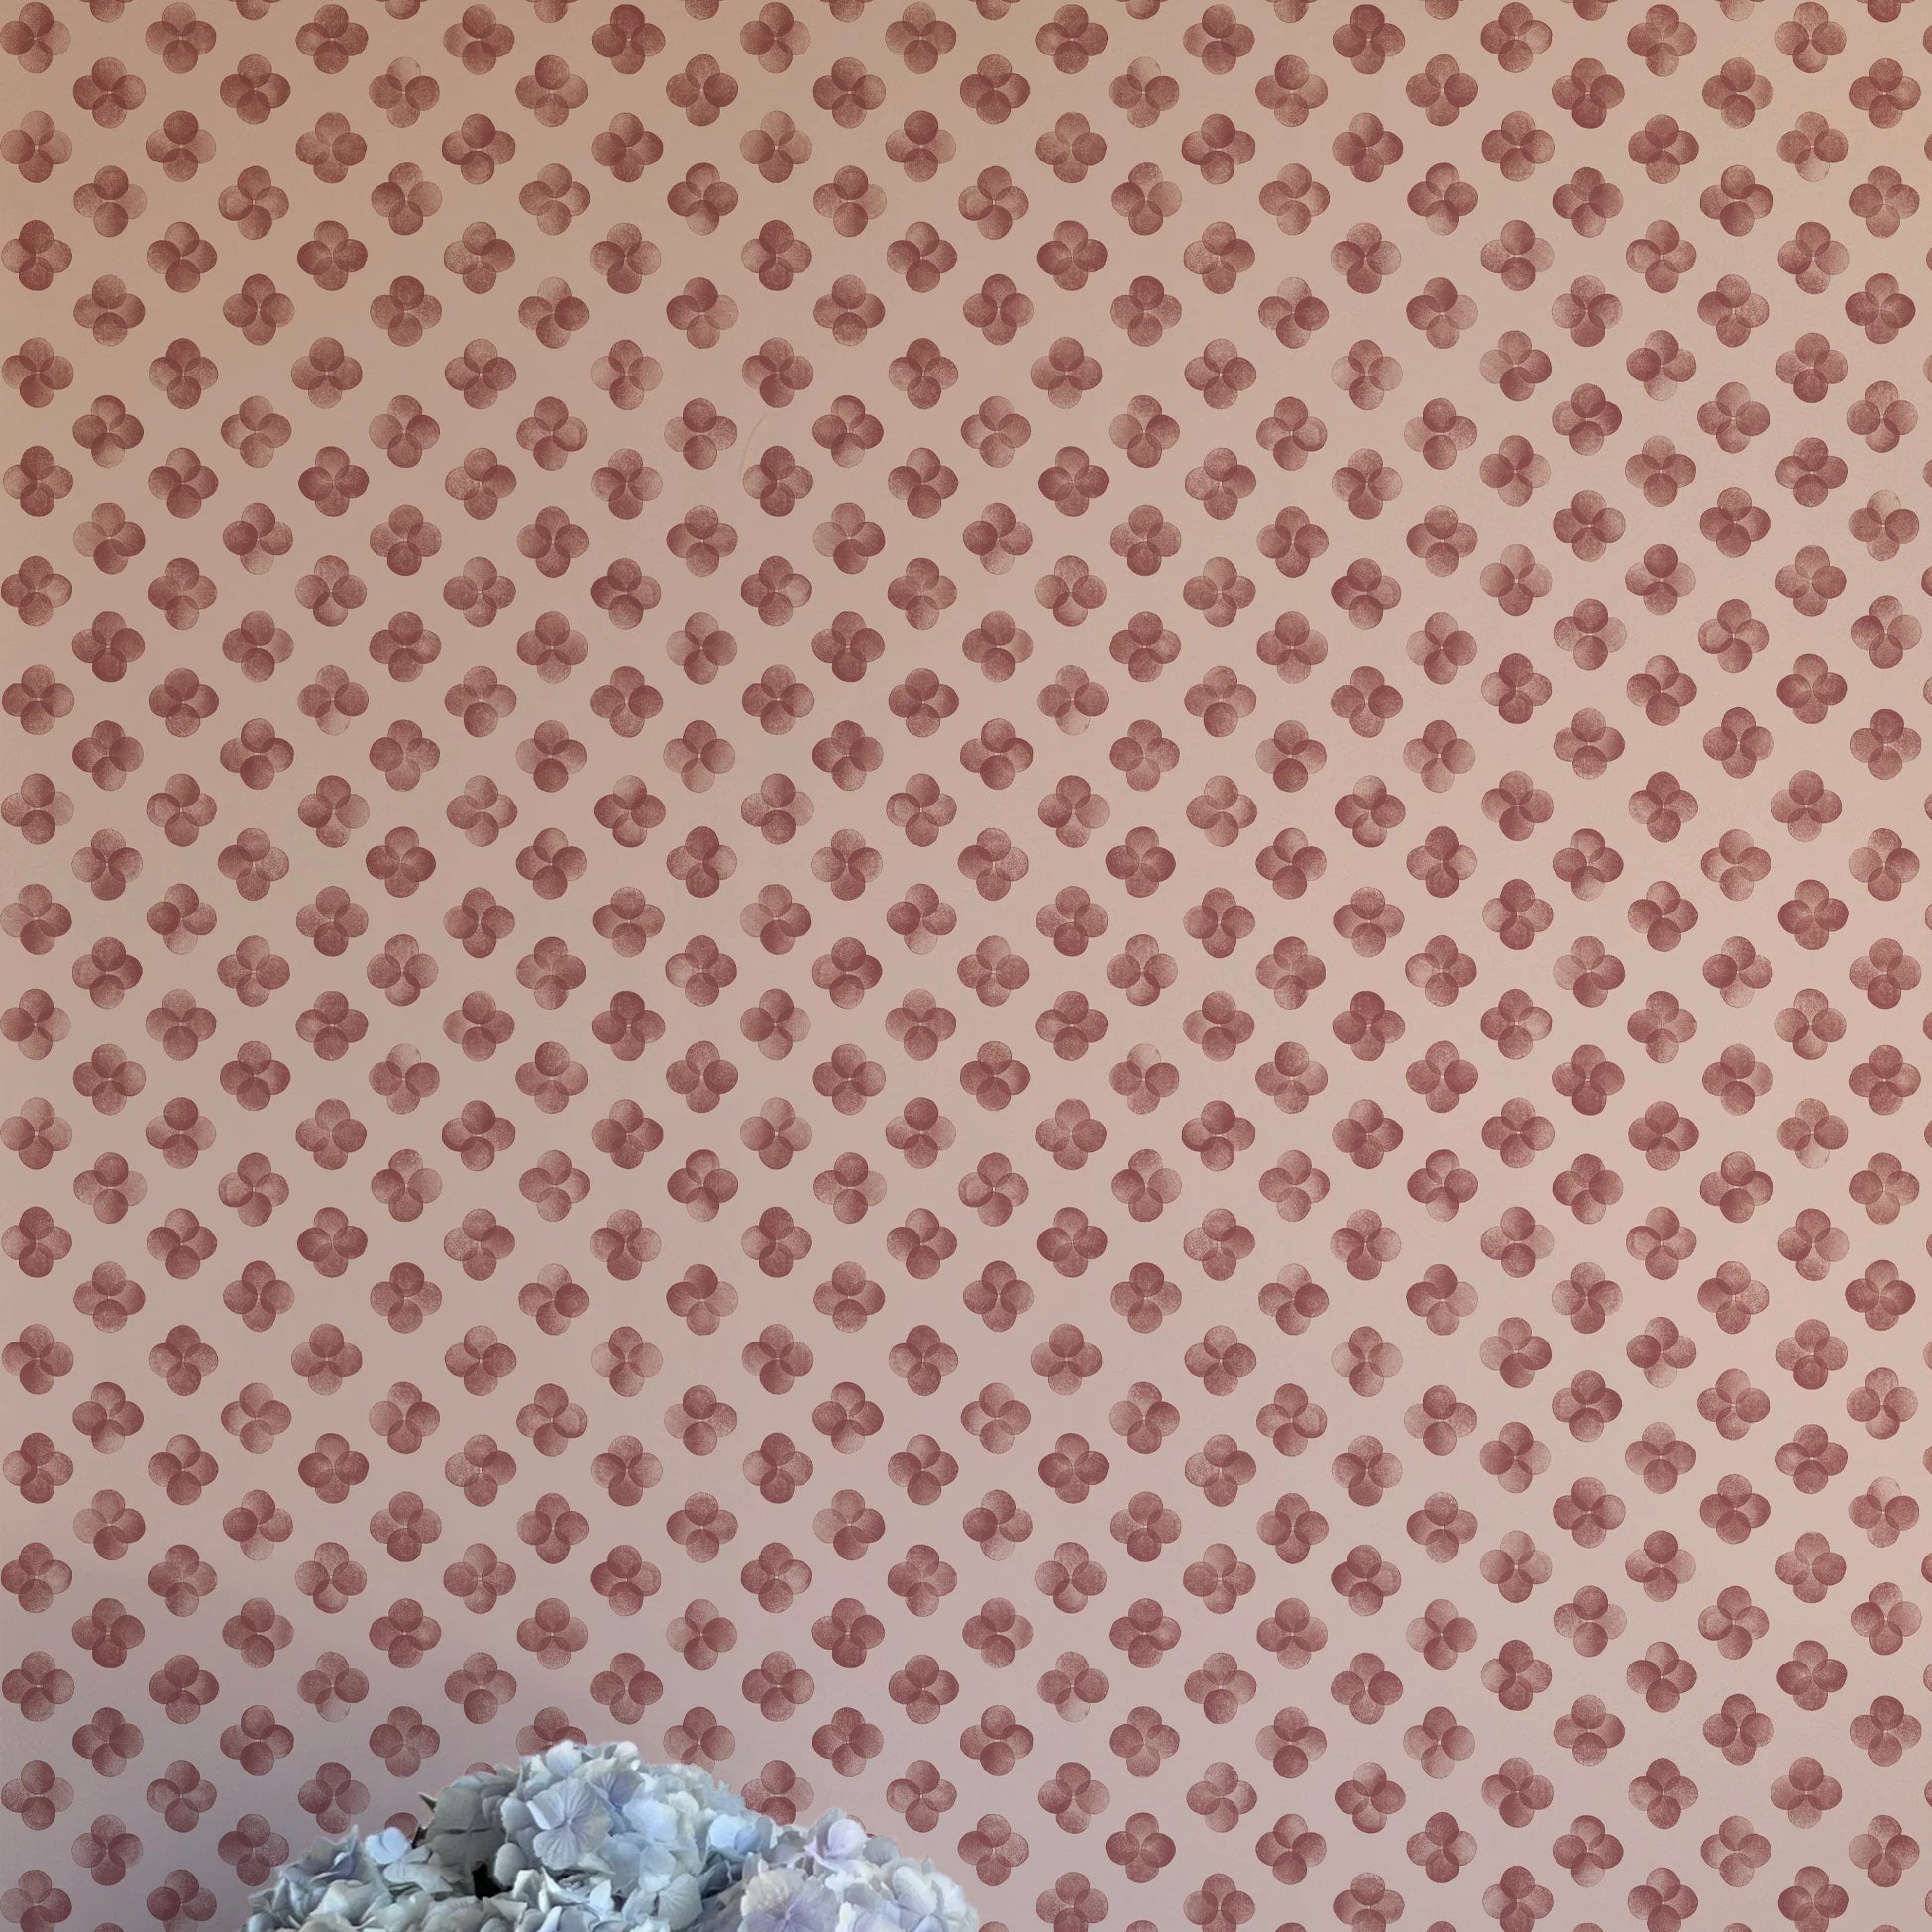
(1009, 911)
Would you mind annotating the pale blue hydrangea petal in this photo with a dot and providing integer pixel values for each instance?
(572, 1821)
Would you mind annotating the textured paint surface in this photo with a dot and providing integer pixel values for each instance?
(1012, 913)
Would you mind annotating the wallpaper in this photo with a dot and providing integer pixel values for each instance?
(1009, 911)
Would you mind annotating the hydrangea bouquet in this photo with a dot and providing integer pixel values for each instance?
(589, 1838)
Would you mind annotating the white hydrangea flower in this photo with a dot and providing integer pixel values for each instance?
(590, 1838)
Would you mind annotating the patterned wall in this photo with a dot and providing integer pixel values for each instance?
(1010, 911)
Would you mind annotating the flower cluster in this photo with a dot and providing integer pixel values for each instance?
(589, 1838)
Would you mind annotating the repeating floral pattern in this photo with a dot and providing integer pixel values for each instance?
(1012, 911)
